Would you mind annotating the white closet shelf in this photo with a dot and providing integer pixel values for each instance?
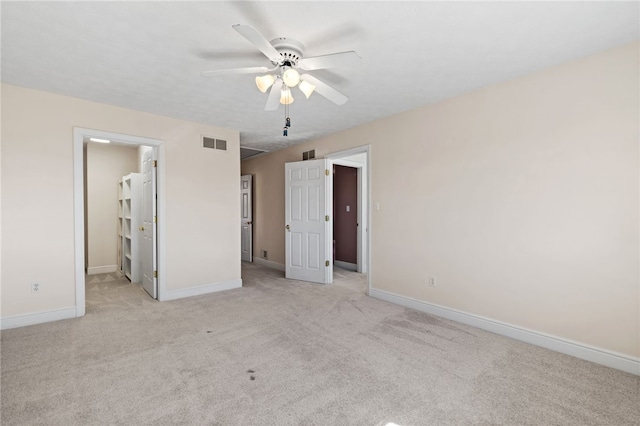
(130, 212)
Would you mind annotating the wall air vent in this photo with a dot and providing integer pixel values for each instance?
(208, 142)
(213, 143)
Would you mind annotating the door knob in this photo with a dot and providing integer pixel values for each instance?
(142, 228)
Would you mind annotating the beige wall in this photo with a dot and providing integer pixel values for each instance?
(522, 199)
(106, 164)
(202, 209)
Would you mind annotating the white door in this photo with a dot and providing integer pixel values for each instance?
(307, 224)
(246, 218)
(148, 228)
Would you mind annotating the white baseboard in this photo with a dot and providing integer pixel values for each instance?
(37, 318)
(93, 270)
(568, 347)
(268, 263)
(200, 290)
(346, 265)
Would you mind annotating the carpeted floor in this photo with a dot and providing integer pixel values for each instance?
(281, 352)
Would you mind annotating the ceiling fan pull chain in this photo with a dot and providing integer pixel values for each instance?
(287, 120)
(285, 129)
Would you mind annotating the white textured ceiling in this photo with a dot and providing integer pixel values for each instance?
(148, 55)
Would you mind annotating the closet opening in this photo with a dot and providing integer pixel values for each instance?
(118, 201)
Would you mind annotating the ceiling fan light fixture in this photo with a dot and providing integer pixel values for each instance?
(291, 77)
(264, 82)
(285, 97)
(306, 88)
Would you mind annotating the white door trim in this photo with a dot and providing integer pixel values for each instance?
(334, 158)
(79, 135)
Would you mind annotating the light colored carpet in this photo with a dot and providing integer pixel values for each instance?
(318, 355)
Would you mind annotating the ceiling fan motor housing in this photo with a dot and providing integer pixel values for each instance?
(290, 49)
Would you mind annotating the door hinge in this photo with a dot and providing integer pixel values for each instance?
(326, 218)
(326, 263)
(326, 172)
(155, 219)
(155, 163)
(155, 274)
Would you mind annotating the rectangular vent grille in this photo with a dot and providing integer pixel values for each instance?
(309, 155)
(213, 143)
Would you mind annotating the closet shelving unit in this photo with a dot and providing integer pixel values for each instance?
(130, 223)
(120, 222)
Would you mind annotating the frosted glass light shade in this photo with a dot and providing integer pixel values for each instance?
(291, 77)
(285, 97)
(265, 82)
(307, 88)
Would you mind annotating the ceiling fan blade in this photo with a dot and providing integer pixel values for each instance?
(273, 100)
(325, 90)
(342, 59)
(231, 71)
(258, 40)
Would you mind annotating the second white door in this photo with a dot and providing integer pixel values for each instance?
(148, 228)
(246, 221)
(307, 222)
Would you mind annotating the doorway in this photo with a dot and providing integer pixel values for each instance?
(80, 135)
(353, 160)
(350, 209)
(345, 217)
(308, 222)
(246, 218)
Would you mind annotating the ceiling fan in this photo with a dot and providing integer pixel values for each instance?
(287, 57)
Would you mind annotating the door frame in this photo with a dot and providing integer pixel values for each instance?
(79, 135)
(336, 158)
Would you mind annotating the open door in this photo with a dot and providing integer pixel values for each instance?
(307, 221)
(246, 219)
(148, 228)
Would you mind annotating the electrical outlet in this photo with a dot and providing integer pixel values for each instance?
(432, 282)
(35, 287)
(264, 254)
